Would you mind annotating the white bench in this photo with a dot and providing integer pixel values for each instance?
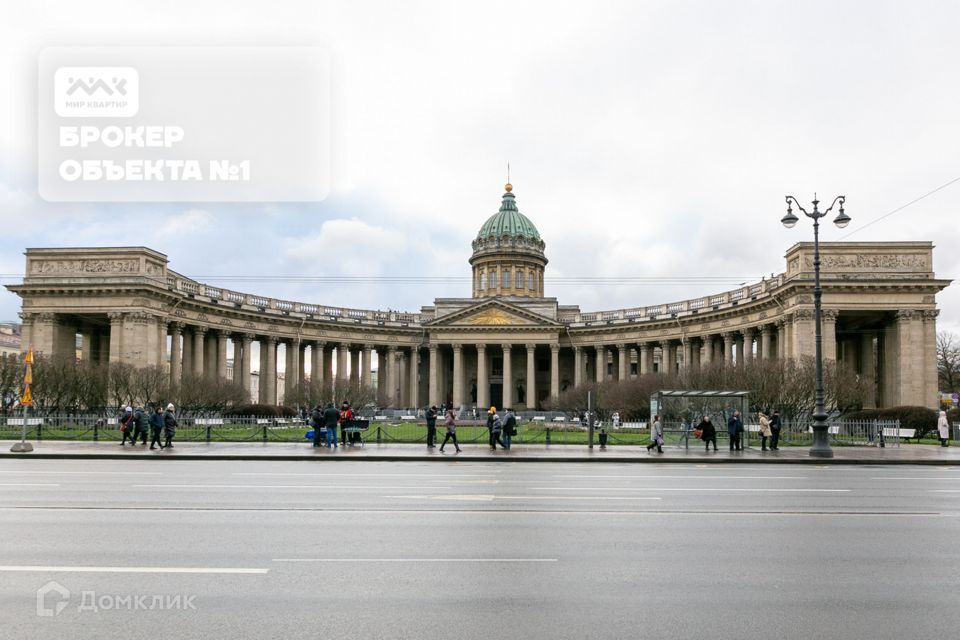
(905, 434)
(408, 418)
(30, 421)
(538, 419)
(560, 419)
(380, 418)
(204, 421)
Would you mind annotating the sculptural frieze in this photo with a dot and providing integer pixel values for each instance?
(51, 267)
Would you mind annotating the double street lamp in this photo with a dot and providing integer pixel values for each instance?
(821, 440)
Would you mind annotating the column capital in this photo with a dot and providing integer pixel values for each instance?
(766, 329)
(727, 336)
(115, 317)
(319, 344)
(481, 348)
(530, 347)
(392, 349)
(343, 345)
(643, 346)
(197, 329)
(368, 347)
(270, 339)
(749, 331)
(457, 346)
(803, 314)
(577, 348)
(829, 315)
(247, 338)
(554, 348)
(506, 347)
(176, 327)
(930, 314)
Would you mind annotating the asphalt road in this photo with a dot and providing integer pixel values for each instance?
(471, 550)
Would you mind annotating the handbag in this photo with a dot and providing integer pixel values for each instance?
(698, 433)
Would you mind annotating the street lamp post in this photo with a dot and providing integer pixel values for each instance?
(821, 441)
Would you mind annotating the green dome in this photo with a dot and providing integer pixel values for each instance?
(508, 221)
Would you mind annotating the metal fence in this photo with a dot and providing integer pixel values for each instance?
(408, 429)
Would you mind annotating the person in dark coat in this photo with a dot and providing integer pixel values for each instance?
(141, 425)
(775, 426)
(735, 430)
(126, 425)
(169, 426)
(509, 428)
(450, 422)
(431, 416)
(346, 415)
(496, 428)
(708, 432)
(316, 421)
(156, 427)
(330, 418)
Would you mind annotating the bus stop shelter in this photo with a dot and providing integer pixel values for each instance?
(675, 405)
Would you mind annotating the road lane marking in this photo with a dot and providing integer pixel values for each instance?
(369, 475)
(202, 570)
(489, 498)
(927, 478)
(111, 473)
(481, 560)
(696, 477)
(943, 490)
(28, 484)
(722, 489)
(324, 487)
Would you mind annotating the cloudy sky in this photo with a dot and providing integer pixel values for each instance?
(652, 139)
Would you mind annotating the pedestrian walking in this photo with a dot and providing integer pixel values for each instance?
(708, 433)
(431, 415)
(330, 418)
(496, 427)
(775, 426)
(685, 429)
(450, 422)
(509, 428)
(943, 428)
(735, 430)
(126, 425)
(156, 427)
(169, 426)
(656, 435)
(141, 425)
(765, 431)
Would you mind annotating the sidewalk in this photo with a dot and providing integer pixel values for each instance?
(905, 454)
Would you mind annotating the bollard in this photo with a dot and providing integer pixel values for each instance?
(96, 431)
(378, 434)
(546, 439)
(208, 434)
(40, 431)
(264, 432)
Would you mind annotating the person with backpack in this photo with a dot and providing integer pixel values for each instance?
(431, 416)
(141, 426)
(126, 425)
(509, 428)
(156, 428)
(450, 423)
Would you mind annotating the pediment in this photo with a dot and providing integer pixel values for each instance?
(494, 314)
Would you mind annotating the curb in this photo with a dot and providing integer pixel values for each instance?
(474, 458)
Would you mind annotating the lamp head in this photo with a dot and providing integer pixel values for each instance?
(789, 220)
(842, 219)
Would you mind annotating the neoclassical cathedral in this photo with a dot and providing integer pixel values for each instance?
(508, 344)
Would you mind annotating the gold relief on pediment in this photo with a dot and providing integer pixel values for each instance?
(491, 317)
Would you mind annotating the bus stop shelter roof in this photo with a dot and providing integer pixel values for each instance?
(701, 394)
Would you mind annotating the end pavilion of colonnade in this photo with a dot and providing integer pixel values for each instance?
(508, 344)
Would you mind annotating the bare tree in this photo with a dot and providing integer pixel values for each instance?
(948, 361)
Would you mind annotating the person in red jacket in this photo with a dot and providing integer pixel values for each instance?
(346, 415)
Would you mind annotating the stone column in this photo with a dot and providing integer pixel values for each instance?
(186, 357)
(555, 370)
(328, 376)
(271, 380)
(288, 369)
(765, 349)
(507, 377)
(738, 344)
(457, 375)
(402, 386)
(199, 333)
(394, 377)
(868, 370)
(483, 379)
(316, 367)
(26, 331)
(828, 324)
(433, 390)
(928, 358)
(262, 377)
(803, 337)
(302, 360)
(695, 346)
(162, 327)
(531, 381)
(748, 335)
(221, 337)
(367, 374)
(601, 370)
(293, 376)
(116, 335)
(782, 351)
(176, 352)
(727, 348)
(644, 350)
(577, 366)
(246, 353)
(237, 359)
(623, 357)
(669, 355)
(413, 378)
(343, 362)
(356, 367)
(687, 345)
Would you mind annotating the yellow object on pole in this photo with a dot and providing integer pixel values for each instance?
(29, 359)
(27, 399)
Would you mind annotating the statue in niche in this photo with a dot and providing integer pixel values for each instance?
(473, 391)
(521, 393)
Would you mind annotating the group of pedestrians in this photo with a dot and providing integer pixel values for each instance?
(706, 432)
(501, 430)
(160, 424)
(326, 419)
